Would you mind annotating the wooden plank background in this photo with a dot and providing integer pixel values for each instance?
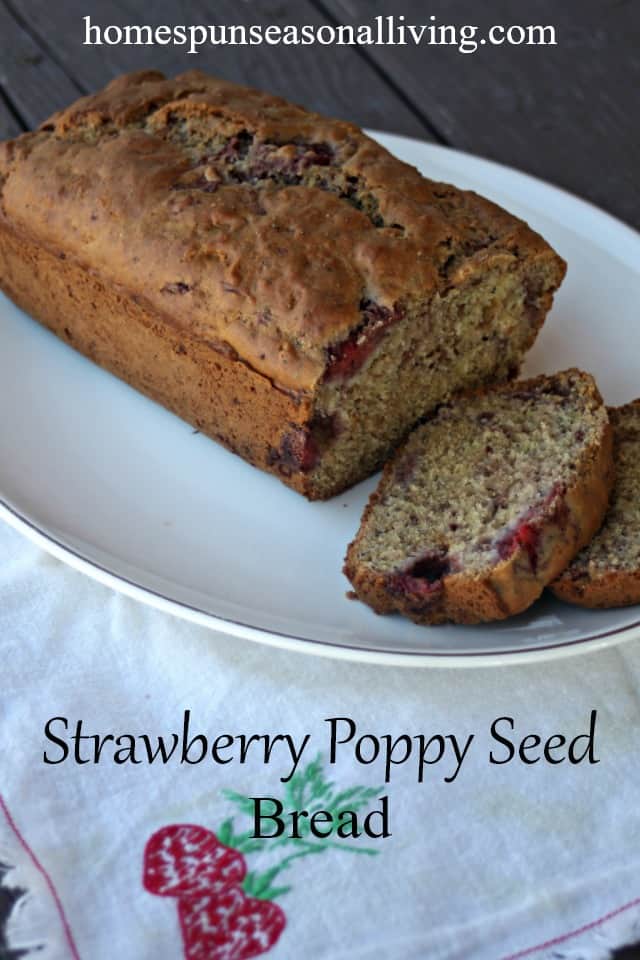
(569, 114)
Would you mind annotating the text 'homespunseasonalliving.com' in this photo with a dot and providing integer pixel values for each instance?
(391, 30)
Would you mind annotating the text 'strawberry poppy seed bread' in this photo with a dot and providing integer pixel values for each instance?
(486, 503)
(607, 572)
(274, 277)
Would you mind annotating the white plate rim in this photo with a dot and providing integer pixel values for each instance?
(320, 648)
(56, 547)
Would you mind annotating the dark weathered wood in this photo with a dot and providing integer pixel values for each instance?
(32, 82)
(331, 80)
(10, 898)
(9, 123)
(628, 953)
(567, 113)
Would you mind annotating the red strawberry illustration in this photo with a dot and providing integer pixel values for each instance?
(217, 919)
(229, 926)
(186, 860)
(224, 912)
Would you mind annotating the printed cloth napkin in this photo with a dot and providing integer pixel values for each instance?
(157, 859)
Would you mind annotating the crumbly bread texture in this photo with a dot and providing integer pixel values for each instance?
(607, 572)
(486, 503)
(274, 277)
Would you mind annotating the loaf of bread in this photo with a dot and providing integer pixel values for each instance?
(607, 572)
(277, 279)
(486, 503)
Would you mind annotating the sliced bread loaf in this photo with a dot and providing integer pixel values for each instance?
(274, 277)
(607, 572)
(486, 503)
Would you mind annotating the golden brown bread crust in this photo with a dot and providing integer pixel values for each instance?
(207, 388)
(255, 285)
(109, 201)
(619, 588)
(512, 585)
(601, 588)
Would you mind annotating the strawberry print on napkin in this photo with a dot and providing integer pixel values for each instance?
(226, 911)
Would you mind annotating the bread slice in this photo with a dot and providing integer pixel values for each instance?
(607, 572)
(486, 503)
